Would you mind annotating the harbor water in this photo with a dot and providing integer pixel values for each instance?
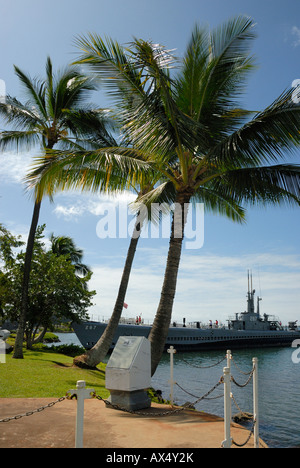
(279, 387)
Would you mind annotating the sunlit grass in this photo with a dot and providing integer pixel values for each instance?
(43, 374)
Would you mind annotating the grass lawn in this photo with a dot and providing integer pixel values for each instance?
(43, 374)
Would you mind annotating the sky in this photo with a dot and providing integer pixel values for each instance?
(212, 282)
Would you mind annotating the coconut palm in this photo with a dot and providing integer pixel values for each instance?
(56, 112)
(65, 245)
(188, 124)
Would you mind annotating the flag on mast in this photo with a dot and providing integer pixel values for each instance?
(125, 305)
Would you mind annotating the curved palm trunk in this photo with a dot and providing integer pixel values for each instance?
(160, 327)
(18, 347)
(40, 337)
(96, 355)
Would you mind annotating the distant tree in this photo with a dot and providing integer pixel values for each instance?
(64, 245)
(55, 291)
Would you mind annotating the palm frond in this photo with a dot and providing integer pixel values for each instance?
(157, 200)
(20, 140)
(20, 115)
(218, 201)
(71, 89)
(213, 75)
(93, 124)
(106, 169)
(35, 89)
(50, 98)
(112, 66)
(268, 137)
(262, 185)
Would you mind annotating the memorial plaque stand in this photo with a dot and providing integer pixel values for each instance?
(128, 373)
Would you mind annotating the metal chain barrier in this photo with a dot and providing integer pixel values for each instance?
(245, 373)
(204, 367)
(236, 404)
(159, 414)
(30, 413)
(248, 438)
(251, 432)
(194, 396)
(246, 383)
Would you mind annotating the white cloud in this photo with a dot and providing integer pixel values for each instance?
(14, 166)
(296, 34)
(69, 212)
(73, 205)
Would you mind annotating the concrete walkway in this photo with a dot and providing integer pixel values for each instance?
(108, 428)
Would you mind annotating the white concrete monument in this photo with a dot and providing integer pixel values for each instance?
(128, 373)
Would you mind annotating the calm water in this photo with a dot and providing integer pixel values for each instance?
(279, 387)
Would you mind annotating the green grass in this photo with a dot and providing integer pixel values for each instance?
(43, 374)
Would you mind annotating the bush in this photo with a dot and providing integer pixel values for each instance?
(68, 350)
(50, 338)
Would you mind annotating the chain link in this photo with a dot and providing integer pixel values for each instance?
(30, 413)
(238, 368)
(194, 396)
(246, 383)
(248, 438)
(204, 367)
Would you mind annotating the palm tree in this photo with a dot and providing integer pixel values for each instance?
(111, 168)
(56, 112)
(189, 126)
(65, 245)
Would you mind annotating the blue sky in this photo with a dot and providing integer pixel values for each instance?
(212, 281)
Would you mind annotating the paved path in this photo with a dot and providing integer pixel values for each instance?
(108, 428)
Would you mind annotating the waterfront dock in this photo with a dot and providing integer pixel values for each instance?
(105, 427)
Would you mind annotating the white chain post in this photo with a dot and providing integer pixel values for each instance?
(229, 356)
(82, 394)
(172, 351)
(227, 408)
(255, 402)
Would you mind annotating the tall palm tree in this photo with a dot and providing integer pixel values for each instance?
(56, 112)
(188, 124)
(111, 168)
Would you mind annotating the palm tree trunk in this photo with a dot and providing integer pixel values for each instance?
(96, 355)
(160, 327)
(40, 337)
(18, 347)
